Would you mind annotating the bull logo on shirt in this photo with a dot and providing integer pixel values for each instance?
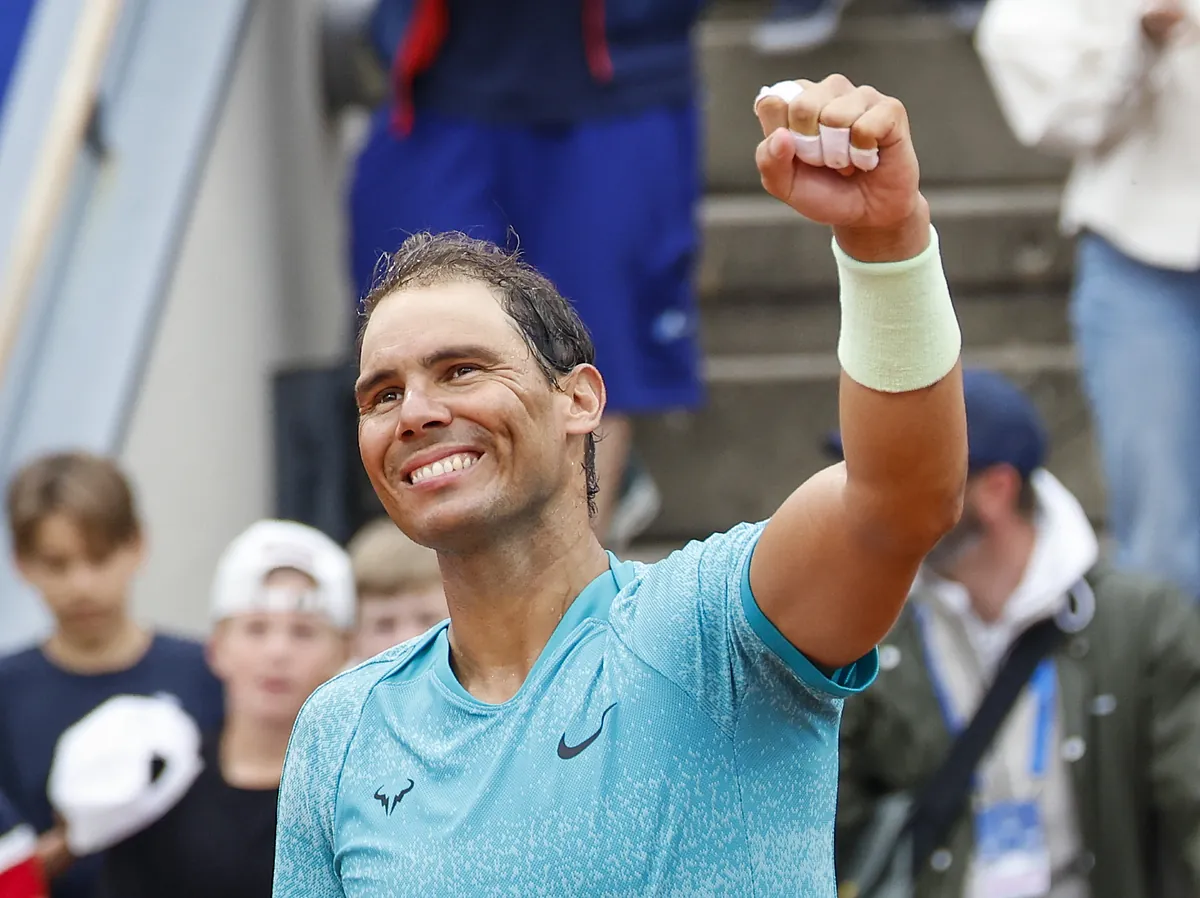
(389, 804)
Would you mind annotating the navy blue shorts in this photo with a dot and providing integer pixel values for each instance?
(605, 209)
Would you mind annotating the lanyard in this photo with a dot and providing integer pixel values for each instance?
(1044, 684)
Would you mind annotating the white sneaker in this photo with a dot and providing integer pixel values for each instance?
(965, 16)
(792, 33)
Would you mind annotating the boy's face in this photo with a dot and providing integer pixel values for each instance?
(85, 595)
(385, 621)
(271, 661)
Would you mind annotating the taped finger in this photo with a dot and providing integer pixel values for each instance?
(784, 90)
(864, 160)
(808, 148)
(884, 124)
(835, 146)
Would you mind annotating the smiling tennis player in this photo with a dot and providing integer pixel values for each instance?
(586, 726)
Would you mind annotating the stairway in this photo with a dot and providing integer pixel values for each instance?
(768, 283)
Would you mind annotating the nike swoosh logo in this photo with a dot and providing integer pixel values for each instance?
(566, 752)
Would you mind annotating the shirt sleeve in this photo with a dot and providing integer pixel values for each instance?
(305, 854)
(695, 619)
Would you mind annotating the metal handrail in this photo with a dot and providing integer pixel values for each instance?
(74, 106)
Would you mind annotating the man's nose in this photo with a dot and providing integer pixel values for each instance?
(421, 410)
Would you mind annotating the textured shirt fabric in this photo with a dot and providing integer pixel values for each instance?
(669, 741)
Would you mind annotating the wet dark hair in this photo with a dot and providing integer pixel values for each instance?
(549, 325)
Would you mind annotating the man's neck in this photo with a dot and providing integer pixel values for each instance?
(506, 601)
(252, 752)
(993, 575)
(116, 647)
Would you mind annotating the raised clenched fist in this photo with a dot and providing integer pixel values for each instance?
(838, 154)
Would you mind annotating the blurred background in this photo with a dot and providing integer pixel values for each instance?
(183, 300)
(195, 197)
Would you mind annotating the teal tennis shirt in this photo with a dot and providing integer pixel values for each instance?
(669, 741)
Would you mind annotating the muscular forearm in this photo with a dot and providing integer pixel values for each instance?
(905, 462)
(905, 449)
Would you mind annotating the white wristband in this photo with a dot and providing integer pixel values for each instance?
(899, 331)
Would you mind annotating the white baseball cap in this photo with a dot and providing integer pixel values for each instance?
(269, 545)
(121, 768)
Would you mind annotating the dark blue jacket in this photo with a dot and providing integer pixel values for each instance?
(535, 61)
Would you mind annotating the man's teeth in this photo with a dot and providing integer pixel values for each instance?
(443, 466)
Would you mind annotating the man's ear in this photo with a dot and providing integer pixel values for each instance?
(583, 388)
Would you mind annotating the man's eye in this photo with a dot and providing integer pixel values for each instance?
(387, 396)
(460, 370)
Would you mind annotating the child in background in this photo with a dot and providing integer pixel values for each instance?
(78, 541)
(283, 600)
(399, 588)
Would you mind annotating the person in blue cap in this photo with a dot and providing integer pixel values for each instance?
(1095, 764)
(1004, 435)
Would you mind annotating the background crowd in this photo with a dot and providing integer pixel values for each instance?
(134, 762)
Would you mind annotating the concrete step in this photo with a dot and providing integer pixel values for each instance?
(918, 57)
(772, 378)
(992, 237)
(742, 329)
(754, 10)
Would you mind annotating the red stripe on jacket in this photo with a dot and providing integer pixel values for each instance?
(595, 40)
(427, 33)
(419, 48)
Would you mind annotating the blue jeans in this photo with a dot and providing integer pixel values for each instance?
(1138, 332)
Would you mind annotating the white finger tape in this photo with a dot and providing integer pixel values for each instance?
(785, 90)
(808, 148)
(835, 146)
(864, 160)
(831, 147)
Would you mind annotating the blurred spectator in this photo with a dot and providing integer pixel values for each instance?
(78, 541)
(1092, 775)
(283, 598)
(1114, 86)
(571, 126)
(20, 872)
(795, 25)
(399, 588)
